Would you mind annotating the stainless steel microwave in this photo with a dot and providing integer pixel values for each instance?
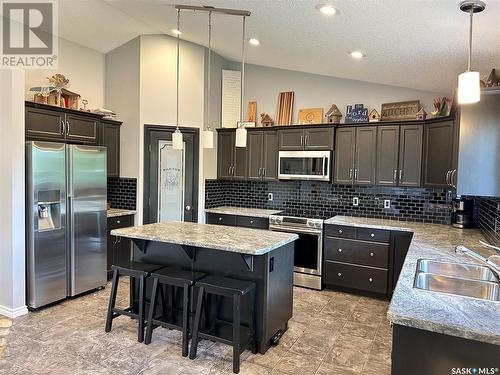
(304, 165)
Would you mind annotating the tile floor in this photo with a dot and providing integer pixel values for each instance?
(330, 333)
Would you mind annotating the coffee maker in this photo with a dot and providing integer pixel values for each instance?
(462, 211)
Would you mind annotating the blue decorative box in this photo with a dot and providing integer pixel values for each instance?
(357, 114)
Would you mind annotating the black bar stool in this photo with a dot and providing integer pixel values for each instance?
(174, 278)
(235, 289)
(135, 270)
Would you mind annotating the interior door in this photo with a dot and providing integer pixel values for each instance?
(171, 177)
(344, 155)
(387, 155)
(366, 143)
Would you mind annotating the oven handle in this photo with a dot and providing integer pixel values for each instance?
(324, 165)
(296, 230)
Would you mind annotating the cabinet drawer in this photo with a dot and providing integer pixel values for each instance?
(341, 231)
(120, 222)
(252, 222)
(221, 219)
(357, 252)
(377, 235)
(356, 277)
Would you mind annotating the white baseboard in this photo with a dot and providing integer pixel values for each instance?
(13, 313)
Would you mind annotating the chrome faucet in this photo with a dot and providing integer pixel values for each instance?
(460, 249)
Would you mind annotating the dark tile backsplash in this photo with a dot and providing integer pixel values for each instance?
(487, 218)
(324, 200)
(122, 192)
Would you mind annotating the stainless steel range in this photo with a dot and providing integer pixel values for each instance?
(308, 256)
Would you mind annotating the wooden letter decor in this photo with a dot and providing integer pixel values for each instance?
(285, 108)
(252, 112)
(400, 110)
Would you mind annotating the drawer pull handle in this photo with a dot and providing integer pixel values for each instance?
(220, 219)
(340, 250)
(251, 221)
(340, 231)
(372, 235)
(339, 274)
(118, 221)
(370, 279)
(371, 254)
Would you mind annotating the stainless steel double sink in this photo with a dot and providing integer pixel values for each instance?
(461, 279)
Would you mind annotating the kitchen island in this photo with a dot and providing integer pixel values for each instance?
(261, 256)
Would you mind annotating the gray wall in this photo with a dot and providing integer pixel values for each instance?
(263, 84)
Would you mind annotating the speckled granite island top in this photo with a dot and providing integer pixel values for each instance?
(242, 211)
(449, 314)
(218, 237)
(116, 212)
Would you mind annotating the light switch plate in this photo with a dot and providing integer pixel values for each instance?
(387, 203)
(355, 201)
(270, 197)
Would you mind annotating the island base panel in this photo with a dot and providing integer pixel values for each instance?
(272, 272)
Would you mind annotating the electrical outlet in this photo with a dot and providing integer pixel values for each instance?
(270, 197)
(355, 201)
(387, 203)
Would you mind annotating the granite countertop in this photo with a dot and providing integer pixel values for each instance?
(241, 211)
(235, 239)
(115, 212)
(449, 314)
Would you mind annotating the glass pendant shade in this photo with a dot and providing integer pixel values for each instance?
(468, 88)
(241, 137)
(207, 139)
(177, 140)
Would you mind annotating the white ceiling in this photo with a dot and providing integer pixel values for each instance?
(420, 44)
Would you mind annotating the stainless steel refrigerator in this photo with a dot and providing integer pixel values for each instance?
(65, 220)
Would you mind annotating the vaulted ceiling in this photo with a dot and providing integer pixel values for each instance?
(419, 44)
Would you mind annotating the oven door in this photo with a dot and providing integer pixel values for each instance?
(308, 249)
(304, 165)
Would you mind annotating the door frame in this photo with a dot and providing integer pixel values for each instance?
(148, 129)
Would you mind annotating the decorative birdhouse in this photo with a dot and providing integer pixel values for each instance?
(333, 115)
(266, 120)
(374, 116)
(421, 115)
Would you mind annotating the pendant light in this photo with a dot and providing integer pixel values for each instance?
(468, 82)
(207, 135)
(177, 143)
(241, 131)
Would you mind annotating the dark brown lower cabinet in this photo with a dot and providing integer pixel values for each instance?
(364, 259)
(119, 250)
(416, 351)
(238, 221)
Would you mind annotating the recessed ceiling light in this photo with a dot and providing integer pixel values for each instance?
(327, 9)
(176, 32)
(357, 54)
(254, 42)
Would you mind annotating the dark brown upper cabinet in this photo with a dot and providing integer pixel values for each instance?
(399, 155)
(355, 155)
(262, 155)
(440, 160)
(306, 139)
(364, 164)
(109, 137)
(44, 122)
(231, 160)
(81, 128)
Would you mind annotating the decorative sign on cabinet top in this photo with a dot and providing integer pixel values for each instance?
(231, 98)
(357, 114)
